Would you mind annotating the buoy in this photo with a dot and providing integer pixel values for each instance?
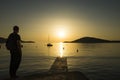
(77, 50)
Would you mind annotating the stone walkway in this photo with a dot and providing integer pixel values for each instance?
(58, 71)
(59, 65)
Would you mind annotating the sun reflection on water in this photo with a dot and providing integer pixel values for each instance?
(61, 49)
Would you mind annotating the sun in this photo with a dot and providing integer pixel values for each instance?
(61, 34)
(60, 31)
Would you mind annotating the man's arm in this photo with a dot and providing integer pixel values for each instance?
(19, 44)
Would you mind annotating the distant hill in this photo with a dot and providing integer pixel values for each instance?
(3, 40)
(91, 40)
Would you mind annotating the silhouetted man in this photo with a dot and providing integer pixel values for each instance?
(14, 46)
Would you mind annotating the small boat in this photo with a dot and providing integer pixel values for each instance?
(49, 44)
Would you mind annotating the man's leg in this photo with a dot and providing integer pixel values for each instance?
(12, 64)
(18, 60)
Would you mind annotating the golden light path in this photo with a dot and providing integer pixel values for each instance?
(61, 49)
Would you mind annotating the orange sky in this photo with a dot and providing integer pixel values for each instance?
(71, 19)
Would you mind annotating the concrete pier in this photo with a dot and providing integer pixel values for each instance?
(57, 71)
(59, 65)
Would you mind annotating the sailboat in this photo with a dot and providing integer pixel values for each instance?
(49, 44)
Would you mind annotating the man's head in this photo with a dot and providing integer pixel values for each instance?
(16, 29)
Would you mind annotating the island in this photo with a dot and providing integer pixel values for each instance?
(92, 40)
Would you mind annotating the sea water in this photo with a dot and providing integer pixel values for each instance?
(98, 61)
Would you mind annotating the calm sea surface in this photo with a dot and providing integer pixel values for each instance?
(97, 61)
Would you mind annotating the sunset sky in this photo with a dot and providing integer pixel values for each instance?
(62, 20)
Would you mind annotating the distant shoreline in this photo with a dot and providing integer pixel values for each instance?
(92, 42)
(28, 41)
(3, 40)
